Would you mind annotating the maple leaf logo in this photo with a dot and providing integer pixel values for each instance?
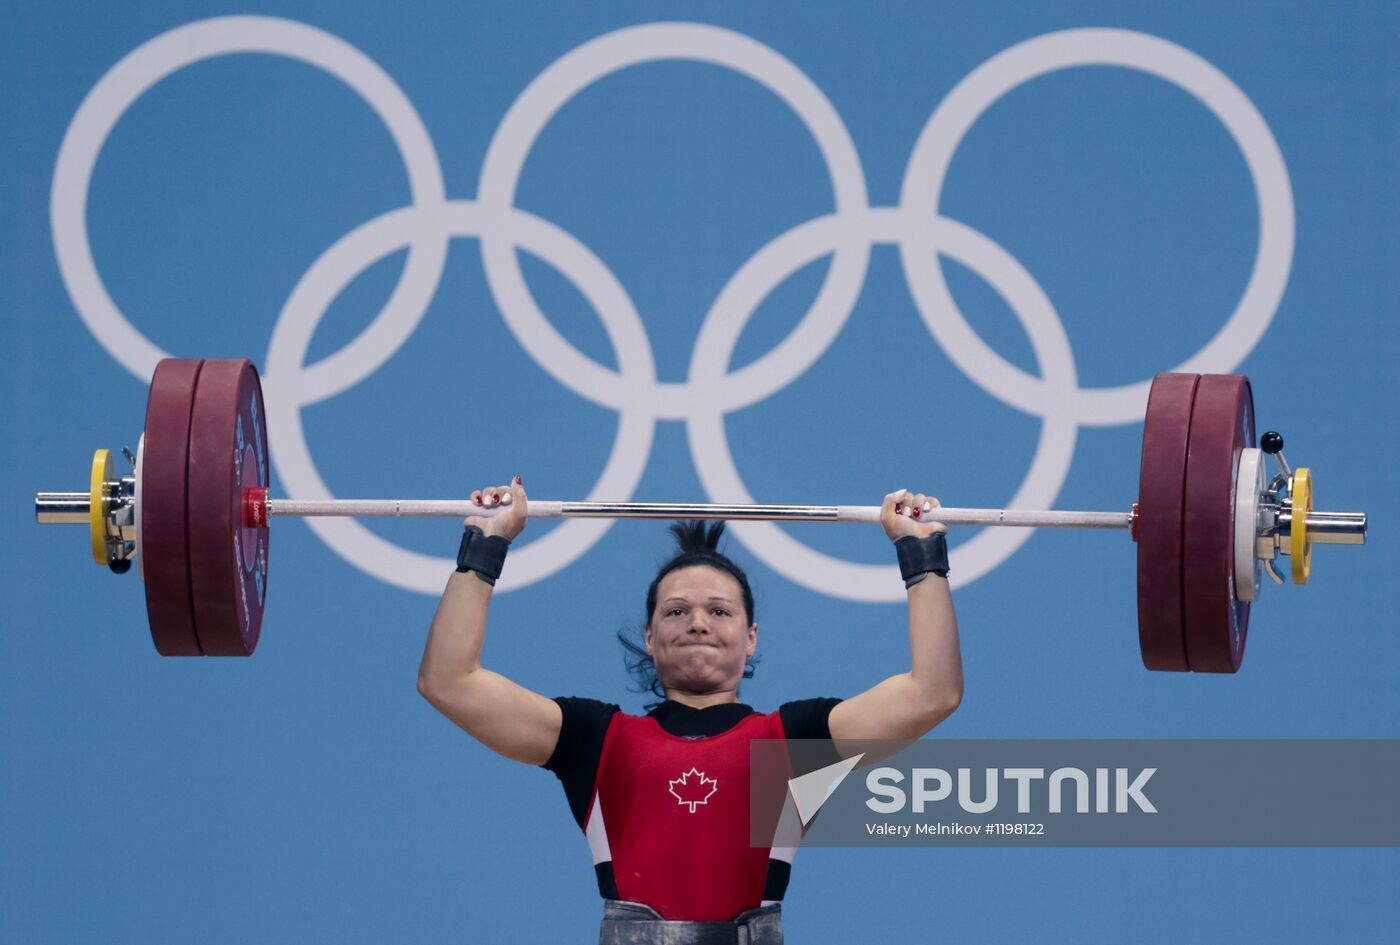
(693, 792)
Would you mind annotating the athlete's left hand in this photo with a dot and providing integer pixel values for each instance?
(904, 513)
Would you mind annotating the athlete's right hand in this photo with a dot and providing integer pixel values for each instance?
(510, 509)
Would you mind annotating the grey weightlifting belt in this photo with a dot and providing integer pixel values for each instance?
(632, 923)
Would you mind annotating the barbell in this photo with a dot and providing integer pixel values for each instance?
(194, 514)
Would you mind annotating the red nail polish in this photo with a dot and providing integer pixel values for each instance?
(519, 481)
(916, 513)
(898, 509)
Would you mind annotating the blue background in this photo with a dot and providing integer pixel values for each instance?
(310, 795)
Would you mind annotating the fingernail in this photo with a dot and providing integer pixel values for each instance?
(518, 481)
(917, 513)
(477, 500)
(898, 509)
(928, 506)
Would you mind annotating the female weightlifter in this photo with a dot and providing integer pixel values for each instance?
(663, 798)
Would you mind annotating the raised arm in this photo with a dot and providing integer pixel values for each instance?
(502, 715)
(905, 706)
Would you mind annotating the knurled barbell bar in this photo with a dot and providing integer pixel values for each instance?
(194, 514)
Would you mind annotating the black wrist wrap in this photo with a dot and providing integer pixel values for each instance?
(919, 556)
(482, 553)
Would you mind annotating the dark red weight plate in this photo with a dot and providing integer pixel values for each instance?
(228, 562)
(164, 549)
(1161, 497)
(1222, 424)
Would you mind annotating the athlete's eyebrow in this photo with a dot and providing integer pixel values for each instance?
(682, 600)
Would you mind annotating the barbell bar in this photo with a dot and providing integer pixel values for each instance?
(74, 508)
(195, 513)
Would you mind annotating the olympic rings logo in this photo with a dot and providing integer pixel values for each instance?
(711, 390)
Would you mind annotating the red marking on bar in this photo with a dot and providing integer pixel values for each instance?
(254, 508)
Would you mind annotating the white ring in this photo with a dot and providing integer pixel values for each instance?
(310, 300)
(709, 446)
(955, 115)
(169, 52)
(575, 71)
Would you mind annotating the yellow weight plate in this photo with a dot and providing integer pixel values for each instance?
(1300, 547)
(102, 472)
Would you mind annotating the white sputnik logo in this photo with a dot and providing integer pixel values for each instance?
(693, 793)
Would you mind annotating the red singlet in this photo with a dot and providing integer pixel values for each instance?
(672, 815)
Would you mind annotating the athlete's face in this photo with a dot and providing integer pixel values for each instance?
(700, 634)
